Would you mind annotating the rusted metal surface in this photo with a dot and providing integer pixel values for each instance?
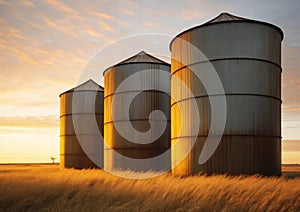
(246, 55)
(78, 107)
(142, 103)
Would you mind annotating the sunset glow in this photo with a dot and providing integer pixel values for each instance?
(46, 44)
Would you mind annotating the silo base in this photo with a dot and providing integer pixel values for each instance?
(235, 155)
(139, 160)
(76, 162)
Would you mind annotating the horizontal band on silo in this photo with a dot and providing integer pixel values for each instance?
(227, 59)
(227, 94)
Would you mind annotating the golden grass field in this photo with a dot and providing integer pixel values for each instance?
(47, 188)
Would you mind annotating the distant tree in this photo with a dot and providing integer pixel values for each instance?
(53, 159)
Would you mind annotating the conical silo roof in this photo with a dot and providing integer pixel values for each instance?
(89, 85)
(224, 18)
(141, 57)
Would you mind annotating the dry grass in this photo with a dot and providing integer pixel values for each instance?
(46, 187)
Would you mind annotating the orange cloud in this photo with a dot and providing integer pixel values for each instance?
(106, 27)
(127, 12)
(291, 145)
(58, 5)
(291, 109)
(48, 121)
(6, 3)
(108, 17)
(102, 15)
(28, 3)
(193, 14)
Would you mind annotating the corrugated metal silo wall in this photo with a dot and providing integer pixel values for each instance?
(141, 106)
(89, 105)
(247, 58)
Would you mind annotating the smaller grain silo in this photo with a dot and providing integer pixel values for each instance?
(81, 126)
(137, 74)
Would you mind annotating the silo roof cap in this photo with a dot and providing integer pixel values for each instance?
(226, 17)
(141, 57)
(89, 85)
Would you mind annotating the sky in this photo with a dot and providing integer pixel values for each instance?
(49, 46)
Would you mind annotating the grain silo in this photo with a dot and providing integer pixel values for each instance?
(81, 126)
(134, 89)
(246, 55)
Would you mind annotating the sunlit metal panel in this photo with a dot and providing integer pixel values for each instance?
(142, 102)
(246, 55)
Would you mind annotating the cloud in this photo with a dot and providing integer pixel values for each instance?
(5, 3)
(28, 3)
(151, 24)
(102, 15)
(194, 14)
(106, 16)
(290, 114)
(291, 145)
(291, 109)
(130, 4)
(291, 77)
(49, 121)
(106, 27)
(58, 5)
(126, 12)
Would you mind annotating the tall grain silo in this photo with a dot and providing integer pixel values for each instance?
(81, 126)
(136, 75)
(246, 55)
